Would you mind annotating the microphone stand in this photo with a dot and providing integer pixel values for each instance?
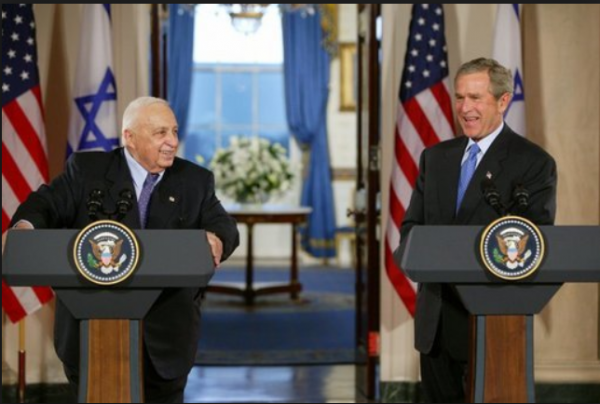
(96, 207)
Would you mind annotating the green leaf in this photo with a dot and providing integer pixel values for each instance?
(92, 261)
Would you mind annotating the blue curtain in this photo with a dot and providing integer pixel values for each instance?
(180, 45)
(306, 70)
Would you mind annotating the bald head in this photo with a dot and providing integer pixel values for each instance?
(132, 114)
(150, 133)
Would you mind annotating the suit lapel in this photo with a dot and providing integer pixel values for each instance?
(119, 179)
(491, 164)
(449, 183)
(165, 201)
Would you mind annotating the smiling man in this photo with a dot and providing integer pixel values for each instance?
(171, 194)
(449, 192)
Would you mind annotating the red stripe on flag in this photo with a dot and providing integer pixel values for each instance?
(13, 175)
(407, 164)
(444, 101)
(28, 136)
(420, 122)
(43, 293)
(11, 305)
(38, 96)
(396, 209)
(401, 283)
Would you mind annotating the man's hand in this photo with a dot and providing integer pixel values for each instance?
(216, 247)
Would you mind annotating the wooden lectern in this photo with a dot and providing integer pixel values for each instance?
(111, 326)
(501, 360)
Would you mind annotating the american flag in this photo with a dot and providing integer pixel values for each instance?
(24, 161)
(424, 118)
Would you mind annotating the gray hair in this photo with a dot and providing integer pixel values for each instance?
(501, 79)
(131, 114)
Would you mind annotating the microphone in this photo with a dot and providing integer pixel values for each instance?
(124, 204)
(94, 203)
(521, 197)
(492, 196)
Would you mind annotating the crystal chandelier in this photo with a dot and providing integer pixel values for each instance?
(247, 18)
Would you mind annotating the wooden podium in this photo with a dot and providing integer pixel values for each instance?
(111, 317)
(501, 360)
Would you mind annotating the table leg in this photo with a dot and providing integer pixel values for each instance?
(249, 292)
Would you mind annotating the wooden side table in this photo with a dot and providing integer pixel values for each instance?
(265, 214)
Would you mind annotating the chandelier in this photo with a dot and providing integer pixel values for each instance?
(247, 18)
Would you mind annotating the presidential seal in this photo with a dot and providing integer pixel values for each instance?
(512, 248)
(106, 252)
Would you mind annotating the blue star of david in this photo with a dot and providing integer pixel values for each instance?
(88, 106)
(519, 92)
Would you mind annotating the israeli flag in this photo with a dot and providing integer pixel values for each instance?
(93, 122)
(507, 51)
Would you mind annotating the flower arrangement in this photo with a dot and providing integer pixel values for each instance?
(251, 170)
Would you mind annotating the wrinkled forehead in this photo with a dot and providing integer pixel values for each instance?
(157, 115)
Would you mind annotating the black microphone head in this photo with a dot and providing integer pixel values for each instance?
(521, 196)
(96, 194)
(520, 191)
(491, 195)
(94, 203)
(126, 194)
(490, 192)
(487, 184)
(125, 203)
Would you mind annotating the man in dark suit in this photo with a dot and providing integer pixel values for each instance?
(448, 192)
(182, 196)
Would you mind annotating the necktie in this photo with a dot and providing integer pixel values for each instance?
(466, 172)
(145, 197)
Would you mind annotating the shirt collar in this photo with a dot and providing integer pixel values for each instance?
(485, 143)
(138, 173)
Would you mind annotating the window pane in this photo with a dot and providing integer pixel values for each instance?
(271, 106)
(236, 98)
(202, 101)
(200, 146)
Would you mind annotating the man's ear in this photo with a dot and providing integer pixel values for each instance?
(503, 102)
(127, 135)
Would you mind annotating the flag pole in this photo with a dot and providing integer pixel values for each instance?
(22, 356)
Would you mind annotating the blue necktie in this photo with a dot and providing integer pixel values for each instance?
(145, 197)
(466, 173)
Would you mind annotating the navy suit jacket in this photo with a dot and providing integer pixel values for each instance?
(183, 199)
(511, 160)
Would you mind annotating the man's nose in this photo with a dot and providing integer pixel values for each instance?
(466, 105)
(172, 139)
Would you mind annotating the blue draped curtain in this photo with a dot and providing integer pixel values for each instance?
(306, 70)
(180, 45)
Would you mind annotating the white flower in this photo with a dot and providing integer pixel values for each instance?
(252, 169)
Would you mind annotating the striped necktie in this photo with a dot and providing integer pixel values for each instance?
(144, 199)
